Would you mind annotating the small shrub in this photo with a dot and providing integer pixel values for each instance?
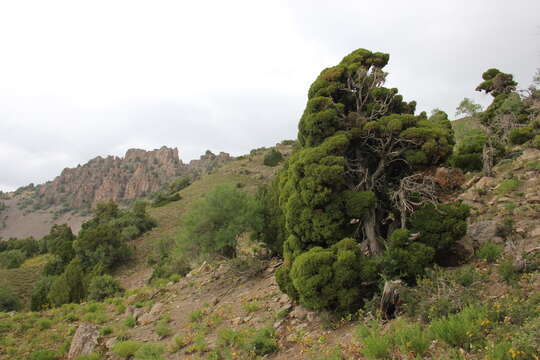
(163, 330)
(126, 349)
(272, 158)
(411, 338)
(44, 324)
(520, 135)
(263, 342)
(374, 344)
(251, 306)
(196, 315)
(490, 252)
(506, 228)
(102, 287)
(465, 276)
(8, 300)
(150, 352)
(536, 142)
(130, 322)
(461, 329)
(44, 355)
(178, 343)
(106, 331)
(507, 272)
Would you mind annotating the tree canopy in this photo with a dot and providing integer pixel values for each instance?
(358, 141)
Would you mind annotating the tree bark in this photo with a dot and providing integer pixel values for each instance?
(371, 233)
(487, 158)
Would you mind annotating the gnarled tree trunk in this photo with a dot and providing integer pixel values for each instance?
(370, 231)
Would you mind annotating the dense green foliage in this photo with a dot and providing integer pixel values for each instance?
(171, 193)
(272, 158)
(333, 277)
(468, 155)
(358, 140)
(39, 299)
(103, 239)
(271, 232)
(8, 300)
(14, 252)
(102, 287)
(78, 266)
(214, 223)
(11, 259)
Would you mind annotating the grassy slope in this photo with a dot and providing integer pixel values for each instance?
(465, 126)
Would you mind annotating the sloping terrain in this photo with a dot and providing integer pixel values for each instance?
(32, 210)
(234, 310)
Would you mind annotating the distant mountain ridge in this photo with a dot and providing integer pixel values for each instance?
(139, 173)
(31, 210)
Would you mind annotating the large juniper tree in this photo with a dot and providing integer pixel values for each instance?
(358, 142)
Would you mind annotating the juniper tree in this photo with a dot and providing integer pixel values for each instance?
(357, 141)
(506, 112)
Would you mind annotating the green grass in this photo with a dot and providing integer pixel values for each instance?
(465, 127)
(507, 186)
(21, 280)
(490, 252)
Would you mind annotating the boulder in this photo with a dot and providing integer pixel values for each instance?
(152, 315)
(84, 341)
(299, 312)
(483, 231)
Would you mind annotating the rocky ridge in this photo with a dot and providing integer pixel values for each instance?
(139, 173)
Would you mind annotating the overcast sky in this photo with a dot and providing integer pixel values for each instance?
(80, 79)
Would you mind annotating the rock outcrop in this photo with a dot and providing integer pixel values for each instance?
(84, 341)
(137, 174)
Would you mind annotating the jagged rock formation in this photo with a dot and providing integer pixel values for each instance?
(208, 162)
(137, 174)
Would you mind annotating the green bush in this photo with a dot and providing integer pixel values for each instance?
(374, 344)
(520, 135)
(406, 259)
(536, 142)
(271, 232)
(102, 287)
(263, 342)
(490, 252)
(440, 226)
(331, 278)
(272, 158)
(126, 349)
(214, 223)
(130, 322)
(468, 155)
(12, 259)
(461, 329)
(8, 300)
(102, 241)
(150, 351)
(44, 324)
(44, 355)
(508, 272)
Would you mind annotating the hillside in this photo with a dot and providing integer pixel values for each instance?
(226, 310)
(32, 210)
